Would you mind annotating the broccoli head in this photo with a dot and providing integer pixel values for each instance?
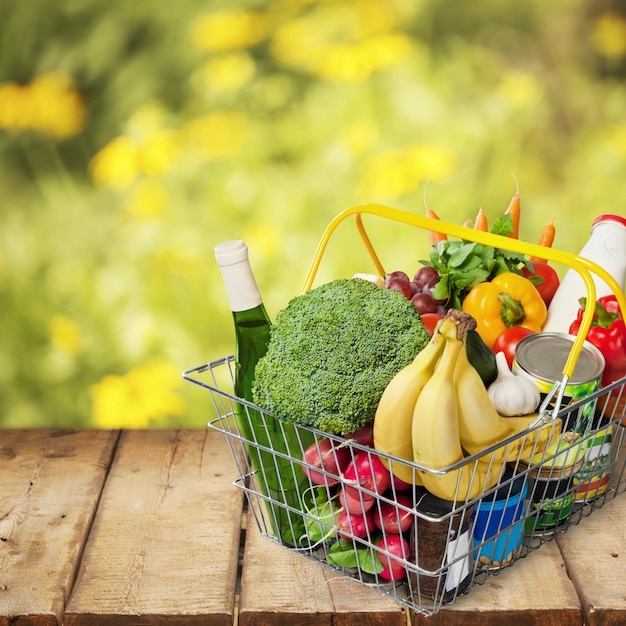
(332, 352)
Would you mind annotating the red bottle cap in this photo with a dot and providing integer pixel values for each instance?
(609, 218)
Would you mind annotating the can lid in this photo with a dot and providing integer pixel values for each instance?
(512, 486)
(543, 355)
(609, 217)
(433, 506)
(231, 252)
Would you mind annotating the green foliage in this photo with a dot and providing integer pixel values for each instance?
(461, 265)
(332, 352)
(187, 124)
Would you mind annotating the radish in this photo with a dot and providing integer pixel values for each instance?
(351, 525)
(364, 436)
(393, 546)
(357, 504)
(365, 471)
(325, 455)
(399, 484)
(393, 519)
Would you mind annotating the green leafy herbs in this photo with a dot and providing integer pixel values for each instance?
(320, 523)
(464, 264)
(320, 526)
(344, 554)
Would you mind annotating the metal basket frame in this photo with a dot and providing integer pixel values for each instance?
(464, 551)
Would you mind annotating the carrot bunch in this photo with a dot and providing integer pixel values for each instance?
(514, 210)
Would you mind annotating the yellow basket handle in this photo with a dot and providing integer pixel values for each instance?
(580, 264)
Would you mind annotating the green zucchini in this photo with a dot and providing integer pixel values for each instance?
(482, 357)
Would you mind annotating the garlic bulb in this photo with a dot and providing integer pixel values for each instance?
(511, 394)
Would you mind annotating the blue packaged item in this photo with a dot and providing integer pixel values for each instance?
(496, 516)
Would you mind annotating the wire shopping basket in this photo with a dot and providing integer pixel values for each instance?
(399, 538)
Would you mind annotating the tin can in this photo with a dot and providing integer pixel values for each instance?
(551, 494)
(593, 479)
(498, 524)
(541, 357)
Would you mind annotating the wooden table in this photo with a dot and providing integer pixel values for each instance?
(139, 528)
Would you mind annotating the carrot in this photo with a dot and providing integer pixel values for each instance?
(546, 238)
(481, 221)
(468, 223)
(433, 236)
(514, 211)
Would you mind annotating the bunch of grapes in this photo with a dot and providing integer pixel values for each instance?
(419, 290)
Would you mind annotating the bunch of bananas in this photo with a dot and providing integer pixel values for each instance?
(436, 412)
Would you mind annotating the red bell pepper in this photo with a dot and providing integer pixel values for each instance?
(608, 334)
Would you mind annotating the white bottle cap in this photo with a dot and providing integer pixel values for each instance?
(231, 252)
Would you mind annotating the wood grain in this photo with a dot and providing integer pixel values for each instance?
(535, 591)
(595, 551)
(280, 587)
(164, 545)
(50, 484)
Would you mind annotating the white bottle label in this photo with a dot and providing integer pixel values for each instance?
(241, 288)
(460, 569)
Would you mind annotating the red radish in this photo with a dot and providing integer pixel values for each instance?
(393, 546)
(354, 504)
(399, 484)
(325, 455)
(351, 525)
(393, 519)
(368, 472)
(364, 436)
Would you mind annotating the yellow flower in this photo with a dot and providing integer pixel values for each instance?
(229, 30)
(229, 72)
(144, 394)
(147, 148)
(49, 105)
(520, 89)
(147, 200)
(215, 135)
(65, 335)
(342, 41)
(356, 62)
(157, 152)
(17, 111)
(395, 173)
(608, 35)
(117, 165)
(61, 110)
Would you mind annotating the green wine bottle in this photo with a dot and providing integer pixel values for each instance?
(281, 482)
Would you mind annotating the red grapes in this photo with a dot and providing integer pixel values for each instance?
(418, 290)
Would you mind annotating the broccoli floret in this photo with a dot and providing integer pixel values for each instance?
(332, 352)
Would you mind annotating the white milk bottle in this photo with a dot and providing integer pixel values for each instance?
(607, 248)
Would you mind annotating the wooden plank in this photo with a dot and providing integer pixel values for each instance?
(595, 551)
(165, 542)
(534, 591)
(50, 483)
(280, 587)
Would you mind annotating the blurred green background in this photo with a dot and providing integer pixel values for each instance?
(136, 136)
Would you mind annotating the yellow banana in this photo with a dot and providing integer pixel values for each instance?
(394, 415)
(481, 426)
(435, 429)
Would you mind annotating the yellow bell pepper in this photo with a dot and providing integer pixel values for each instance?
(507, 300)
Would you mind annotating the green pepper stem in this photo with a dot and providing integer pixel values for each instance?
(512, 311)
(601, 316)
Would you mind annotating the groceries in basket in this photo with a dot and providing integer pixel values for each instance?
(420, 433)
